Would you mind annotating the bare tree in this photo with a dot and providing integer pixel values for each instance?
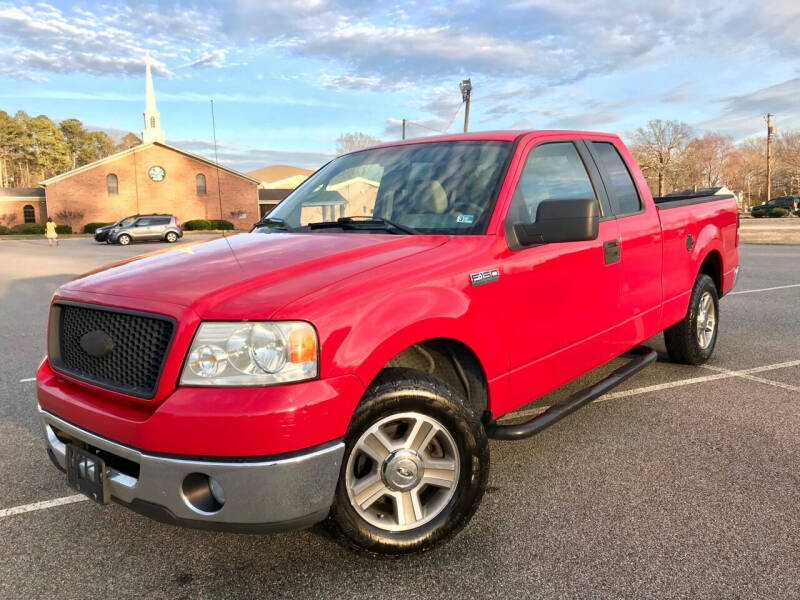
(658, 146)
(8, 219)
(704, 161)
(69, 217)
(350, 142)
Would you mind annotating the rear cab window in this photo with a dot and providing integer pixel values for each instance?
(619, 183)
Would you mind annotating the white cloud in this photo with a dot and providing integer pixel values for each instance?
(249, 159)
(209, 60)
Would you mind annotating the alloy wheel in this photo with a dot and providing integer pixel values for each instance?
(402, 471)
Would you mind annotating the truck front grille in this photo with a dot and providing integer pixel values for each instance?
(116, 349)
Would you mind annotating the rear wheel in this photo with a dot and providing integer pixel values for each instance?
(692, 340)
(124, 239)
(171, 237)
(415, 467)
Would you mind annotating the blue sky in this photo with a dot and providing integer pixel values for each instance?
(288, 77)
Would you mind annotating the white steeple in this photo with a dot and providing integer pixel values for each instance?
(152, 131)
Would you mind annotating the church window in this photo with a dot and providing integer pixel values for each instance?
(112, 184)
(152, 122)
(200, 182)
(28, 214)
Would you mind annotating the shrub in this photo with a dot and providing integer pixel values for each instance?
(778, 212)
(221, 224)
(197, 225)
(28, 229)
(206, 224)
(63, 228)
(4, 230)
(90, 227)
(759, 213)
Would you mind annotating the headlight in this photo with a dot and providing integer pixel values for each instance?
(225, 353)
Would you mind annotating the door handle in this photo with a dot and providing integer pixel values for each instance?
(611, 252)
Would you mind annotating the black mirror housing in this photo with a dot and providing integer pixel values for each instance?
(569, 220)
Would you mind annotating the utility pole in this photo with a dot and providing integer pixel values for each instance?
(466, 91)
(770, 136)
(404, 129)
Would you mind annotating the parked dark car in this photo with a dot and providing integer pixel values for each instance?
(141, 228)
(790, 203)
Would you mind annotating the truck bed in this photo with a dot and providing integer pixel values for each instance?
(667, 202)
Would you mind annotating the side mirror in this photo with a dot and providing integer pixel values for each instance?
(571, 220)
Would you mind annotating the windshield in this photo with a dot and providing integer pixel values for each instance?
(435, 187)
(126, 222)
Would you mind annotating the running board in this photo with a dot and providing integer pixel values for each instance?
(643, 357)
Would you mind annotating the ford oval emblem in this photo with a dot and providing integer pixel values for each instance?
(97, 343)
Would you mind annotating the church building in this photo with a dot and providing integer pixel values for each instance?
(153, 177)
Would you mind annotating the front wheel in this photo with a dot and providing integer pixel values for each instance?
(691, 341)
(124, 239)
(415, 467)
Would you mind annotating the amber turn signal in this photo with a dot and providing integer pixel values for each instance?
(302, 345)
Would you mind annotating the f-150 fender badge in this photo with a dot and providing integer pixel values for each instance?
(484, 277)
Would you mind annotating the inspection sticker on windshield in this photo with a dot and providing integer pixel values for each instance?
(484, 277)
(465, 219)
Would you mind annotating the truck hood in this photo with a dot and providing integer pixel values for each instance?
(282, 267)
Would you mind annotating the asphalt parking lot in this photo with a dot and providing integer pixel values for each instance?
(684, 482)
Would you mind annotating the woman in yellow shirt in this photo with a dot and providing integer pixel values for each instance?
(50, 232)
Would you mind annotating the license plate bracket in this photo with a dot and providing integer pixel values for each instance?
(86, 473)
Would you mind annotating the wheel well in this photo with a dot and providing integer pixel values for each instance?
(712, 266)
(451, 361)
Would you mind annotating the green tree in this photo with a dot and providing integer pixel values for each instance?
(129, 141)
(76, 138)
(12, 139)
(102, 145)
(48, 146)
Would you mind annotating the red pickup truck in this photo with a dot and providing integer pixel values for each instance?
(347, 361)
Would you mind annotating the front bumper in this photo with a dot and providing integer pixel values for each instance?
(265, 494)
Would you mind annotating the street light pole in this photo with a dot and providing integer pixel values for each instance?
(466, 92)
(770, 135)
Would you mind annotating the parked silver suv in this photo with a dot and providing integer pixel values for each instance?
(141, 228)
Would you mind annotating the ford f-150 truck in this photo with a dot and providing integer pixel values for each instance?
(346, 362)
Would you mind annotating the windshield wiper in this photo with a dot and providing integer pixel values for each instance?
(273, 221)
(383, 223)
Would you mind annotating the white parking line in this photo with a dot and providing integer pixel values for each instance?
(722, 374)
(27, 379)
(26, 508)
(746, 375)
(769, 289)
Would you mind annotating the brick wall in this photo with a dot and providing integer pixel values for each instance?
(176, 194)
(14, 207)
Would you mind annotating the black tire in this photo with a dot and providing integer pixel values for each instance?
(171, 237)
(682, 339)
(396, 391)
(124, 239)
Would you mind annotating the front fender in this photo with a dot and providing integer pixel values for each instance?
(393, 323)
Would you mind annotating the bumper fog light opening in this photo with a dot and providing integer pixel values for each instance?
(201, 495)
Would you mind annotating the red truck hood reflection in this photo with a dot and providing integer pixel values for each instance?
(249, 275)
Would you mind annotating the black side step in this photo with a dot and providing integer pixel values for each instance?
(643, 357)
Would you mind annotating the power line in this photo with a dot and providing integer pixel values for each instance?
(446, 130)
(418, 124)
